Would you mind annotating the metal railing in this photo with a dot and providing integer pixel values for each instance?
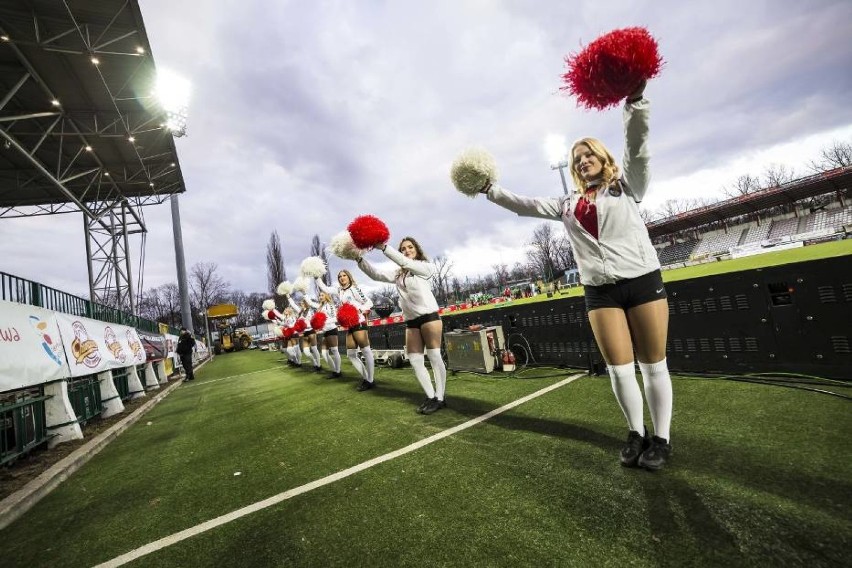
(22, 424)
(85, 396)
(23, 291)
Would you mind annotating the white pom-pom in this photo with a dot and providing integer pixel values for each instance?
(284, 288)
(472, 169)
(279, 331)
(342, 246)
(268, 305)
(313, 267)
(300, 284)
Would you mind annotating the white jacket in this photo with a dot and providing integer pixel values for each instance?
(352, 295)
(623, 248)
(413, 282)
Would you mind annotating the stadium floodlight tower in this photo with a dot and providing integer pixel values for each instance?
(557, 154)
(172, 92)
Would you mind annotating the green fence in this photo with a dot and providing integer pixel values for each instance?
(119, 378)
(22, 426)
(16, 289)
(85, 396)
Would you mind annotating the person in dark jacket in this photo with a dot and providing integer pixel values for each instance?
(185, 347)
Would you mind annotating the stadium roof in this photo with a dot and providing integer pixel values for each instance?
(78, 123)
(817, 184)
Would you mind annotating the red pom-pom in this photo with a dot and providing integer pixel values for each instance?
(318, 321)
(288, 332)
(348, 316)
(368, 231)
(612, 67)
(270, 315)
(300, 325)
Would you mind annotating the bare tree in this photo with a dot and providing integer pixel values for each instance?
(443, 266)
(275, 271)
(647, 215)
(744, 185)
(520, 272)
(777, 174)
(170, 297)
(543, 254)
(456, 287)
(836, 155)
(501, 273)
(385, 293)
(206, 286)
(564, 253)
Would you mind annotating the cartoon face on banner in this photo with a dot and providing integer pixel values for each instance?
(113, 345)
(51, 347)
(84, 349)
(135, 347)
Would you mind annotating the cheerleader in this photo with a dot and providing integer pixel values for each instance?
(625, 295)
(347, 291)
(294, 359)
(424, 327)
(305, 310)
(329, 333)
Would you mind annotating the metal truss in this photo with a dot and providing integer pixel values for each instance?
(108, 159)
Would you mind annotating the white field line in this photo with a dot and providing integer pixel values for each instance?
(275, 499)
(190, 384)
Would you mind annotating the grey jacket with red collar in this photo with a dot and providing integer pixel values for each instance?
(623, 248)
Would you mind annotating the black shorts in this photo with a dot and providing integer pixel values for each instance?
(359, 327)
(308, 332)
(420, 320)
(627, 293)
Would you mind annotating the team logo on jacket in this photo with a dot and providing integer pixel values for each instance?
(113, 345)
(83, 348)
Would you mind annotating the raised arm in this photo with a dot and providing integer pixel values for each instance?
(296, 307)
(636, 153)
(543, 207)
(417, 267)
(331, 290)
(375, 273)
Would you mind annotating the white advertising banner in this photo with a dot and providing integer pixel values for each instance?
(93, 346)
(30, 347)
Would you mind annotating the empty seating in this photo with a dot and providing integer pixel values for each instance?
(677, 252)
(783, 228)
(719, 243)
(758, 233)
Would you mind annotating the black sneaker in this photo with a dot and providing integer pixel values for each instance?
(657, 455)
(365, 385)
(333, 375)
(423, 405)
(317, 369)
(434, 406)
(634, 446)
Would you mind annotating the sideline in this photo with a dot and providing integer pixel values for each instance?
(193, 384)
(22, 500)
(275, 499)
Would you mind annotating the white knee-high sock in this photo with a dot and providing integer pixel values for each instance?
(324, 354)
(352, 354)
(292, 350)
(334, 354)
(315, 355)
(658, 392)
(628, 394)
(439, 371)
(370, 363)
(418, 363)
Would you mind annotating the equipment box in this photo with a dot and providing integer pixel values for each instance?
(474, 350)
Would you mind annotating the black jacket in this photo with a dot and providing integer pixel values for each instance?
(186, 343)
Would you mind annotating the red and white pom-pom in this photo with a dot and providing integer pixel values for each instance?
(348, 316)
(300, 284)
(342, 246)
(300, 325)
(313, 267)
(612, 67)
(284, 288)
(268, 305)
(272, 315)
(368, 231)
(318, 321)
(472, 169)
(288, 332)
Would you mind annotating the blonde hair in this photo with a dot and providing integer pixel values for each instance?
(610, 171)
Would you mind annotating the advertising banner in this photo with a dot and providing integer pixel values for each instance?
(30, 347)
(154, 345)
(93, 346)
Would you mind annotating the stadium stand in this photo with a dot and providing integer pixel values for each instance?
(677, 252)
(718, 242)
(757, 233)
(783, 228)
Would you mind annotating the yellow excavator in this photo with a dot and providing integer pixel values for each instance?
(229, 338)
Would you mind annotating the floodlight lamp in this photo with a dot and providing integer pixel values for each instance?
(172, 91)
(4, 37)
(55, 102)
(88, 148)
(557, 150)
(140, 50)
(95, 61)
(131, 139)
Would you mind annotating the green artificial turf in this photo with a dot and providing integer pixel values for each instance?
(760, 476)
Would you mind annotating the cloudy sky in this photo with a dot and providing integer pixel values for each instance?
(306, 114)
